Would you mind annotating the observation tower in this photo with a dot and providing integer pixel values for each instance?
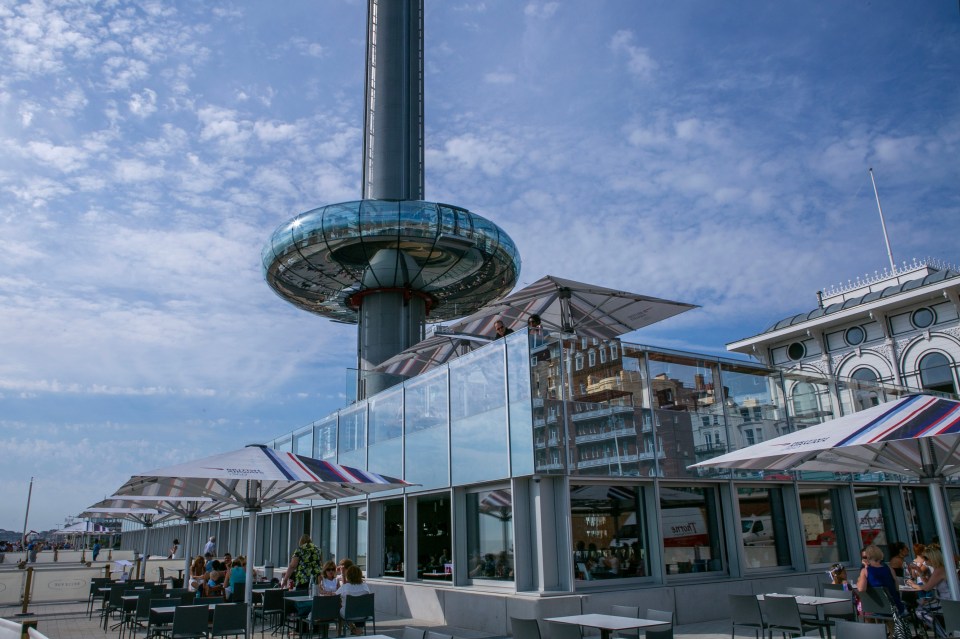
(390, 262)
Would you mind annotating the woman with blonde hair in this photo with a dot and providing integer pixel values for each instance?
(304, 567)
(877, 574)
(198, 574)
(328, 579)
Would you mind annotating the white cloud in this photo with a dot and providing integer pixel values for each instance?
(132, 170)
(639, 61)
(274, 131)
(499, 77)
(64, 158)
(143, 103)
(540, 9)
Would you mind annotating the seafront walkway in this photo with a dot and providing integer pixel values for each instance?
(69, 621)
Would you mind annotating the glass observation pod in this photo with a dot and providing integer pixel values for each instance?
(564, 466)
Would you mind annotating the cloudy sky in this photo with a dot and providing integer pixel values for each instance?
(714, 153)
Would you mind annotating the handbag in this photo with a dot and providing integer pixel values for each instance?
(901, 627)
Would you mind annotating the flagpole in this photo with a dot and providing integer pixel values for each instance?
(883, 224)
(26, 516)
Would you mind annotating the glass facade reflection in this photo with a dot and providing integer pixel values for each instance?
(572, 411)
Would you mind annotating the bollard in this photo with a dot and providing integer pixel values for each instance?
(106, 571)
(26, 592)
(56, 555)
(27, 624)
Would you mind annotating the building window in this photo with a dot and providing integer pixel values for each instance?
(865, 388)
(796, 351)
(578, 362)
(763, 526)
(923, 317)
(393, 538)
(691, 529)
(936, 373)
(748, 433)
(824, 539)
(591, 358)
(609, 532)
(613, 351)
(603, 356)
(490, 534)
(855, 336)
(433, 538)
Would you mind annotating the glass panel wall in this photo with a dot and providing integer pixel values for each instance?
(385, 451)
(823, 525)
(325, 439)
(324, 526)
(691, 529)
(490, 534)
(478, 416)
(609, 532)
(808, 399)
(687, 405)
(763, 522)
(303, 441)
(393, 538)
(353, 436)
(753, 408)
(521, 409)
(425, 413)
(434, 543)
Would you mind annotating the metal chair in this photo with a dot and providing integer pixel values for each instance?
(409, 632)
(845, 611)
(358, 609)
(140, 617)
(325, 610)
(627, 611)
(229, 620)
(272, 609)
(159, 622)
(524, 628)
(875, 605)
(96, 583)
(783, 615)
(237, 591)
(856, 630)
(555, 630)
(114, 602)
(951, 615)
(657, 632)
(745, 611)
(190, 622)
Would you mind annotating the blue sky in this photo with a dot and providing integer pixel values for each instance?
(714, 153)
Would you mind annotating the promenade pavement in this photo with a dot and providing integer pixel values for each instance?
(69, 621)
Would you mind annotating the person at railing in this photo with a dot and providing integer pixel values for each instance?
(174, 549)
(536, 331)
(501, 329)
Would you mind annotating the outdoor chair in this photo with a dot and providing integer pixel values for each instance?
(783, 615)
(114, 603)
(554, 630)
(359, 609)
(875, 605)
(745, 612)
(845, 611)
(140, 616)
(159, 622)
(627, 611)
(856, 630)
(206, 601)
(799, 591)
(237, 592)
(524, 628)
(409, 632)
(229, 620)
(951, 615)
(96, 583)
(324, 610)
(190, 622)
(187, 598)
(271, 609)
(657, 632)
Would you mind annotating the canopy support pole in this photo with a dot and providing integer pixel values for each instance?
(143, 564)
(252, 509)
(945, 532)
(188, 539)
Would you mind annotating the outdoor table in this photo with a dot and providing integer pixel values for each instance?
(607, 623)
(807, 600)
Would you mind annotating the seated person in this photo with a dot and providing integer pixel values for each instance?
(237, 575)
(353, 586)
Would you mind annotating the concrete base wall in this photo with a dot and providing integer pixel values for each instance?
(489, 612)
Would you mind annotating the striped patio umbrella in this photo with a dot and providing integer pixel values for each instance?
(114, 509)
(254, 478)
(915, 436)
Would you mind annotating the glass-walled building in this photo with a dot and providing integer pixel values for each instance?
(564, 467)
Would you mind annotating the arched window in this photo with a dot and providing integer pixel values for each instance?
(936, 373)
(806, 408)
(867, 392)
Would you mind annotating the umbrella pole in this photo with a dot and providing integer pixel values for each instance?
(143, 564)
(945, 532)
(188, 542)
(248, 589)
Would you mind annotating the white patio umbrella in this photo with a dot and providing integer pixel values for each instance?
(190, 509)
(254, 478)
(81, 528)
(117, 509)
(916, 436)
